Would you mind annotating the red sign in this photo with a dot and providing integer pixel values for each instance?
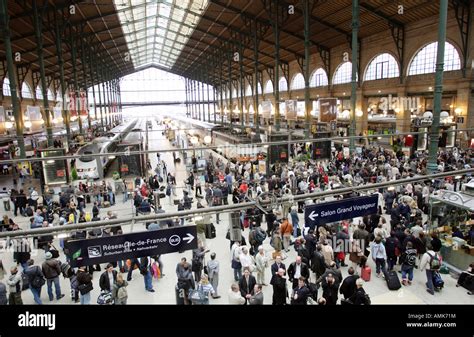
(60, 173)
(124, 168)
(83, 103)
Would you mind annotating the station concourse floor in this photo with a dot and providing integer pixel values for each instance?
(165, 287)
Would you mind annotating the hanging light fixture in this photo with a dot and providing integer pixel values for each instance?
(28, 124)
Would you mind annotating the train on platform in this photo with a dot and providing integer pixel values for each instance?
(231, 143)
(91, 167)
(135, 164)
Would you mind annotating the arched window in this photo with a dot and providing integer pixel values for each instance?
(26, 91)
(248, 91)
(424, 61)
(319, 78)
(343, 73)
(259, 89)
(60, 98)
(269, 87)
(6, 86)
(298, 82)
(382, 66)
(283, 84)
(39, 92)
(234, 92)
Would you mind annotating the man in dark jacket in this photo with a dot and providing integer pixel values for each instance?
(34, 274)
(348, 286)
(392, 246)
(330, 287)
(277, 265)
(363, 236)
(300, 293)
(280, 292)
(318, 265)
(296, 270)
(246, 284)
(310, 242)
(51, 270)
(108, 278)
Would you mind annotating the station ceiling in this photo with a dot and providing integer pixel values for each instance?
(183, 36)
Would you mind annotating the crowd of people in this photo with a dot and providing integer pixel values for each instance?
(395, 238)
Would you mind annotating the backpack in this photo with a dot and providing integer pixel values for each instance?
(435, 263)
(367, 300)
(260, 236)
(409, 259)
(105, 298)
(122, 293)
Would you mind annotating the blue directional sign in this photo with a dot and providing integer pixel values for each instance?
(126, 246)
(318, 214)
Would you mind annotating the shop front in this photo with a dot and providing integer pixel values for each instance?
(452, 216)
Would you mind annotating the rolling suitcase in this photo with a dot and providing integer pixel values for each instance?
(393, 282)
(466, 280)
(29, 211)
(366, 273)
(210, 231)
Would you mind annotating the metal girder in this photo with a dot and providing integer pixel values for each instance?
(286, 73)
(326, 58)
(261, 21)
(319, 20)
(300, 61)
(462, 11)
(249, 78)
(398, 35)
(397, 29)
(35, 78)
(232, 30)
(278, 14)
(21, 72)
(271, 74)
(377, 12)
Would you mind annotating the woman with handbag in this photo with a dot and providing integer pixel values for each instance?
(200, 295)
(85, 286)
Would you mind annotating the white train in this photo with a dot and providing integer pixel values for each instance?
(229, 144)
(94, 167)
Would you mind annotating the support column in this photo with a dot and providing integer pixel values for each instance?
(307, 102)
(109, 99)
(355, 62)
(403, 117)
(75, 84)
(203, 99)
(438, 88)
(104, 102)
(44, 87)
(230, 88)
(214, 88)
(5, 29)
(186, 96)
(242, 87)
(362, 122)
(100, 106)
(255, 53)
(59, 51)
(208, 103)
(221, 87)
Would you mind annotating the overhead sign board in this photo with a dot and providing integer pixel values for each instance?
(121, 247)
(327, 110)
(318, 214)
